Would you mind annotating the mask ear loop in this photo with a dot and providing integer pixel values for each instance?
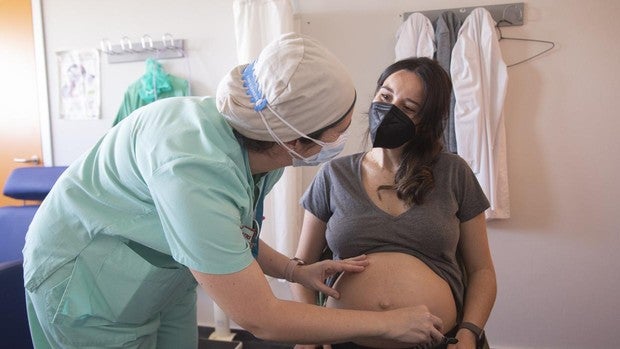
(277, 139)
(260, 103)
(321, 143)
(341, 139)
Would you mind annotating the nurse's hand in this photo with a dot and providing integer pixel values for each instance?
(413, 325)
(313, 275)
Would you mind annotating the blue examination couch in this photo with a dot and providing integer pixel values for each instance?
(32, 184)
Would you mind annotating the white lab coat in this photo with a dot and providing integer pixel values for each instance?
(415, 38)
(479, 76)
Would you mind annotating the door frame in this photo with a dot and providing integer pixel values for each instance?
(42, 83)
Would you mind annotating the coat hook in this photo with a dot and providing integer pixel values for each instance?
(165, 38)
(146, 47)
(147, 38)
(106, 47)
(519, 14)
(125, 41)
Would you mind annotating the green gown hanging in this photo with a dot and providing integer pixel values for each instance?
(153, 85)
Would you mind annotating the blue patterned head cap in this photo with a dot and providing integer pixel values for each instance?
(294, 77)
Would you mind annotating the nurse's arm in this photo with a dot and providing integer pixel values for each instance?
(313, 275)
(246, 297)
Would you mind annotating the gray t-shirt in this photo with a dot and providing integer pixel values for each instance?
(429, 232)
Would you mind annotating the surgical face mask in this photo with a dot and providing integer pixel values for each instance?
(389, 126)
(328, 152)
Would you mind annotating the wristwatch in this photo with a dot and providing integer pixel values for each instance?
(473, 328)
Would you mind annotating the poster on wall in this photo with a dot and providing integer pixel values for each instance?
(80, 90)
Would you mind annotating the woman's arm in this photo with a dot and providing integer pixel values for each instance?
(482, 288)
(247, 298)
(310, 248)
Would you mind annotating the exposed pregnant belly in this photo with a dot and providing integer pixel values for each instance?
(394, 280)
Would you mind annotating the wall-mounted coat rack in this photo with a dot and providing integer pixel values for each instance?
(505, 15)
(128, 51)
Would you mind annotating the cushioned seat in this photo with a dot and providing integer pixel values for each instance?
(14, 222)
(32, 183)
(13, 319)
(26, 183)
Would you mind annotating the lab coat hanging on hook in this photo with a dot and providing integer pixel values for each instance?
(480, 79)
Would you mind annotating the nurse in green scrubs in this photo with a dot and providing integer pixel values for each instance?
(167, 200)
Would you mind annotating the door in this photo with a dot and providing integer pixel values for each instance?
(20, 135)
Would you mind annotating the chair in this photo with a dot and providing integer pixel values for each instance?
(24, 183)
(14, 222)
(32, 183)
(27, 183)
(13, 319)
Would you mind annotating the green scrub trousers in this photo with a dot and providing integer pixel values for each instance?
(115, 294)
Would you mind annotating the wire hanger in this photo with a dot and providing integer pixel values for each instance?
(502, 37)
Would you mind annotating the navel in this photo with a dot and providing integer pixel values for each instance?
(385, 304)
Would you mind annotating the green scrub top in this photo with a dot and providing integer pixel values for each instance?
(172, 177)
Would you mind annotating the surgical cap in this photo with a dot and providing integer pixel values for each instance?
(301, 80)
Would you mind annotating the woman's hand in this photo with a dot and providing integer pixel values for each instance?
(313, 275)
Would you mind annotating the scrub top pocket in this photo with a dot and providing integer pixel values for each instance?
(112, 282)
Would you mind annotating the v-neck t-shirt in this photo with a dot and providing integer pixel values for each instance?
(429, 232)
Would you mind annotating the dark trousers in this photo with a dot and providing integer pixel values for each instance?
(351, 345)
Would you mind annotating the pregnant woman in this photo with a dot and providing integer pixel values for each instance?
(410, 207)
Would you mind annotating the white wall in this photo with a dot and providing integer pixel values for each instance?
(556, 257)
(206, 26)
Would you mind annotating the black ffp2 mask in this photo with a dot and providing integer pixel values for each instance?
(389, 126)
